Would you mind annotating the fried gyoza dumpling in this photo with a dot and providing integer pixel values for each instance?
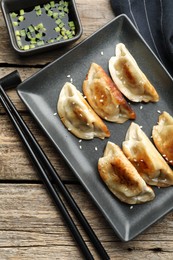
(129, 78)
(104, 97)
(78, 116)
(163, 136)
(122, 178)
(145, 157)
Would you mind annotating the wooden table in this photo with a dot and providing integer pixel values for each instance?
(30, 225)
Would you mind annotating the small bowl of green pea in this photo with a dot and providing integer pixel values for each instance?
(35, 26)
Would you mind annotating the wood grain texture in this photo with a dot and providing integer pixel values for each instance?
(30, 225)
(14, 159)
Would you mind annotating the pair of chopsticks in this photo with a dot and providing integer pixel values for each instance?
(48, 174)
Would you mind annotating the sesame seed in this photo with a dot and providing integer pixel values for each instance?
(140, 126)
(158, 111)
(141, 107)
(68, 76)
(80, 140)
(131, 207)
(55, 114)
(80, 147)
(96, 148)
(101, 100)
(71, 80)
(102, 53)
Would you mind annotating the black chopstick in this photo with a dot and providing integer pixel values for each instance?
(42, 163)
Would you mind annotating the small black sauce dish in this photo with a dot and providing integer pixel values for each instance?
(40, 25)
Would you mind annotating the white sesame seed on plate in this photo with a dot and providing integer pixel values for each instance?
(158, 111)
(96, 148)
(131, 207)
(101, 53)
(55, 114)
(68, 76)
(80, 147)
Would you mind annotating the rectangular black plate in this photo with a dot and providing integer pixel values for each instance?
(40, 94)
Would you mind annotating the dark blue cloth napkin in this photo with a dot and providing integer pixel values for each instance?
(154, 21)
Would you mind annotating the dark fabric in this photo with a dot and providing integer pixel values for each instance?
(154, 21)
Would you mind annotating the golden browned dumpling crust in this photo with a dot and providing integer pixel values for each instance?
(104, 97)
(78, 116)
(163, 136)
(129, 78)
(122, 178)
(146, 159)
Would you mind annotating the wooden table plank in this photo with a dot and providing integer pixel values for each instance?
(30, 226)
(15, 163)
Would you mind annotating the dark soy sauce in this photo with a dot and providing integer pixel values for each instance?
(48, 34)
